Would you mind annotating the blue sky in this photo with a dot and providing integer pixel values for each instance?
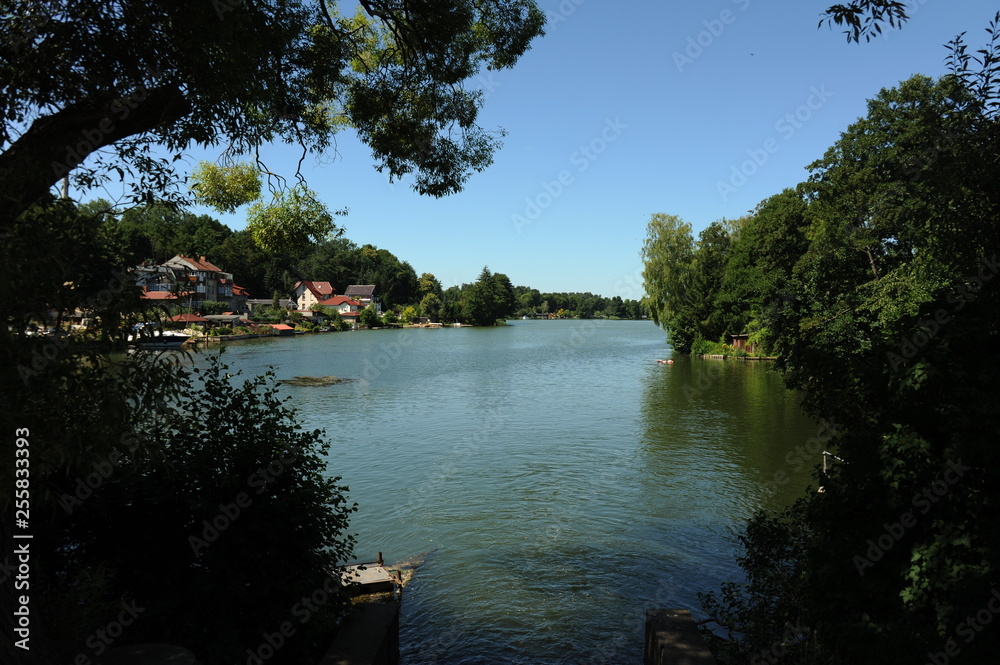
(627, 109)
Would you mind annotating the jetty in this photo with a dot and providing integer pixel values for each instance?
(373, 578)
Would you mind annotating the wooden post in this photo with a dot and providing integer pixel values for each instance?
(378, 559)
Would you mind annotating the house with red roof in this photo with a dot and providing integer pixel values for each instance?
(348, 308)
(189, 281)
(306, 294)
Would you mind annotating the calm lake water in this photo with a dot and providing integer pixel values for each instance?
(559, 480)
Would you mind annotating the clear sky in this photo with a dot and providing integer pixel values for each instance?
(627, 109)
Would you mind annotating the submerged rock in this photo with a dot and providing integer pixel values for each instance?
(314, 381)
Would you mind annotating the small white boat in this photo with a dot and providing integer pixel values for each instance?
(151, 337)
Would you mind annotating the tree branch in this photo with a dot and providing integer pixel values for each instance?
(54, 144)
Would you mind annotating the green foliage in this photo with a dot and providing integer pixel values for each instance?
(225, 188)
(489, 300)
(409, 313)
(294, 219)
(876, 284)
(227, 442)
(138, 442)
(369, 318)
(682, 279)
(428, 284)
(243, 75)
(212, 307)
(864, 18)
(430, 306)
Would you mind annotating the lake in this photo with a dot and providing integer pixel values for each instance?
(558, 479)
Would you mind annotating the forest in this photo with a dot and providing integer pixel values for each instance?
(873, 283)
(159, 231)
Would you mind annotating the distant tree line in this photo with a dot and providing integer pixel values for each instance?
(158, 232)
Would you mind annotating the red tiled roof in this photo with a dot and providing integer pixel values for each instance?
(281, 326)
(200, 263)
(162, 295)
(336, 301)
(240, 291)
(319, 289)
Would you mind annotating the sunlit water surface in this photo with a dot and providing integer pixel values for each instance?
(561, 479)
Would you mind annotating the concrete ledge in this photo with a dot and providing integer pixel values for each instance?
(368, 636)
(672, 638)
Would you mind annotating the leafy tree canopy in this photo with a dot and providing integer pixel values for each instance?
(92, 87)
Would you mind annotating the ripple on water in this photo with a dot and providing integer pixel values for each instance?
(565, 481)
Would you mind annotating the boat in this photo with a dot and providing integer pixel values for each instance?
(151, 337)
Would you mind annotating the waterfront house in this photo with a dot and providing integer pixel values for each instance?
(348, 308)
(205, 280)
(343, 304)
(306, 294)
(189, 281)
(282, 330)
(364, 294)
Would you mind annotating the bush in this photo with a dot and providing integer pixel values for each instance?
(277, 534)
(223, 330)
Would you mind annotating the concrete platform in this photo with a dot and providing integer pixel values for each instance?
(372, 578)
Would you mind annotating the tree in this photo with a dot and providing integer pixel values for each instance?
(241, 75)
(428, 284)
(225, 188)
(887, 327)
(430, 306)
(195, 523)
(757, 281)
(489, 299)
(668, 255)
(369, 318)
(864, 18)
(409, 313)
(292, 221)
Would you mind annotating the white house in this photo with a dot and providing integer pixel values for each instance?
(306, 294)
